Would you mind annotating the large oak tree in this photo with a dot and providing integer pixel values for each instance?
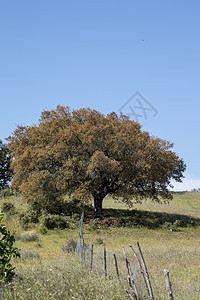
(84, 154)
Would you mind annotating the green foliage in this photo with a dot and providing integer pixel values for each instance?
(35, 207)
(8, 192)
(69, 215)
(28, 217)
(43, 229)
(7, 251)
(31, 215)
(8, 208)
(5, 161)
(172, 226)
(55, 221)
(99, 241)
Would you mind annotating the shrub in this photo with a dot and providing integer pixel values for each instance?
(167, 225)
(172, 226)
(29, 236)
(24, 220)
(75, 217)
(43, 229)
(175, 225)
(55, 221)
(99, 241)
(7, 192)
(30, 216)
(7, 251)
(35, 211)
(70, 247)
(8, 207)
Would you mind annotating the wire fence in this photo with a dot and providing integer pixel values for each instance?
(113, 266)
(130, 271)
(129, 268)
(118, 266)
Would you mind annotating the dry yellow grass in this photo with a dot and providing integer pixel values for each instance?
(178, 251)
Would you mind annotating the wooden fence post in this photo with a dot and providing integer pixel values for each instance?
(92, 251)
(130, 277)
(146, 272)
(168, 285)
(141, 270)
(116, 266)
(105, 263)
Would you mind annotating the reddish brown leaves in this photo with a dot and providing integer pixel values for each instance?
(84, 152)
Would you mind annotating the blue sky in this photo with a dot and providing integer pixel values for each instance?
(98, 54)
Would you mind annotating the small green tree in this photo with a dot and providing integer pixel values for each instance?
(7, 251)
(5, 171)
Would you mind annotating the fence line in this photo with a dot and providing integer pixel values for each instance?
(183, 285)
(131, 271)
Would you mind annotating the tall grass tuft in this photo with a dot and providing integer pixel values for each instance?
(29, 236)
(60, 279)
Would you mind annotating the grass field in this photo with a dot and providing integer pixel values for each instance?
(169, 235)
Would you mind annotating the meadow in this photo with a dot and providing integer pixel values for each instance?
(169, 235)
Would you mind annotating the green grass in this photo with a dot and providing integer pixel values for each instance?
(164, 246)
(62, 278)
(184, 203)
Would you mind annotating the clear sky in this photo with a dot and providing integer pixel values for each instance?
(98, 54)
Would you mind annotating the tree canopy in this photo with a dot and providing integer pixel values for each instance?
(5, 171)
(85, 154)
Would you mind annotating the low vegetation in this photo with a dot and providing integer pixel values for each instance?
(48, 269)
(7, 251)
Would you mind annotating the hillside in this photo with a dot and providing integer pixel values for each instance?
(168, 234)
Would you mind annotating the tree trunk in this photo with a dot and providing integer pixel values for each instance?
(98, 199)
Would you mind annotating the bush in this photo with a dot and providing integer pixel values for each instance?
(30, 216)
(176, 225)
(35, 210)
(7, 251)
(172, 226)
(55, 221)
(70, 247)
(8, 192)
(36, 213)
(29, 236)
(8, 207)
(99, 241)
(75, 217)
(43, 229)
(167, 225)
